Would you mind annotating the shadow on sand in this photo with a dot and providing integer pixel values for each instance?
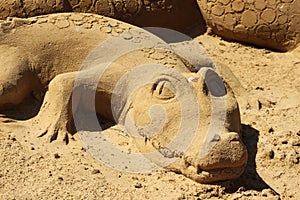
(26, 110)
(250, 179)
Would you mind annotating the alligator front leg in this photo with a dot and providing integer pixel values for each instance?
(54, 121)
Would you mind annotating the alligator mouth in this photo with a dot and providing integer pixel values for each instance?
(215, 166)
(213, 175)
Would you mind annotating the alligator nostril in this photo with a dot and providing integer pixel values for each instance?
(234, 140)
(199, 170)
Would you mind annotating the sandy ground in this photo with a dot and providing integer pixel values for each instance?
(270, 128)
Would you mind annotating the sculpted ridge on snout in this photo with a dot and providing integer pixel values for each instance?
(189, 119)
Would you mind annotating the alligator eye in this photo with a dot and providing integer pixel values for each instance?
(163, 90)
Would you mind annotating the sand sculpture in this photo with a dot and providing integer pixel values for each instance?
(45, 53)
(273, 24)
(270, 24)
(161, 13)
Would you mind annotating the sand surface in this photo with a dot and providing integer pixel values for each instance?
(270, 128)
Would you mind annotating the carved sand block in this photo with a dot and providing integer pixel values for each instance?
(272, 24)
(191, 119)
(178, 15)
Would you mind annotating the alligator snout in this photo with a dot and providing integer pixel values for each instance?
(229, 151)
(226, 160)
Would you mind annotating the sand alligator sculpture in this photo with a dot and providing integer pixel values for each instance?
(270, 24)
(75, 58)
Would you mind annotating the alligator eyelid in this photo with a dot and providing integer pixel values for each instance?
(158, 87)
(161, 87)
(154, 87)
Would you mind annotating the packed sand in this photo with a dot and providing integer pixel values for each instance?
(270, 126)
